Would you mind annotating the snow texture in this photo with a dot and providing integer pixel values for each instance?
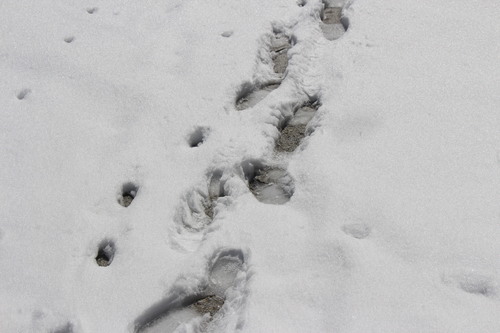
(258, 166)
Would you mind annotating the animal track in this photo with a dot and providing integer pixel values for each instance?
(333, 24)
(357, 230)
(250, 94)
(473, 283)
(294, 129)
(270, 185)
(127, 194)
(23, 93)
(92, 10)
(106, 253)
(198, 137)
(201, 305)
(69, 39)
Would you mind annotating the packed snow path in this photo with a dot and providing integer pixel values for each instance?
(267, 166)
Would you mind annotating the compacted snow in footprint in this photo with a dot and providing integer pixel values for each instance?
(267, 166)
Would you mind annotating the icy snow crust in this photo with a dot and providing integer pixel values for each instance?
(121, 143)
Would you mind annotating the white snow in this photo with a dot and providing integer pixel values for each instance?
(394, 221)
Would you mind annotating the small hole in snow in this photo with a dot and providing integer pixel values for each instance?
(92, 10)
(128, 193)
(69, 39)
(105, 253)
(23, 93)
(198, 137)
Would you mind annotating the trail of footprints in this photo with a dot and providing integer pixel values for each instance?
(268, 181)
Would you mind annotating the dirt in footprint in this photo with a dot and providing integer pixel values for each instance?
(295, 129)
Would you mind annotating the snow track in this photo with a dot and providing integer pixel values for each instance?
(267, 179)
(267, 166)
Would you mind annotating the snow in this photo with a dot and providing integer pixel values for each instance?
(393, 223)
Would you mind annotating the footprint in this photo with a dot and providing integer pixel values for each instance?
(69, 39)
(357, 230)
(127, 194)
(198, 306)
(198, 137)
(270, 185)
(473, 282)
(23, 93)
(251, 94)
(197, 210)
(333, 24)
(106, 253)
(248, 98)
(227, 33)
(92, 10)
(294, 129)
(280, 44)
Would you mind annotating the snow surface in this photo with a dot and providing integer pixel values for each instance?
(394, 223)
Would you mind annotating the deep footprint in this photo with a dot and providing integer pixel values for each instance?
(333, 24)
(270, 185)
(182, 307)
(105, 254)
(295, 129)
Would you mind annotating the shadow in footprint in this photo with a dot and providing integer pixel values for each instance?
(198, 137)
(201, 306)
(106, 253)
(269, 184)
(294, 129)
(127, 194)
(92, 10)
(69, 39)
(333, 24)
